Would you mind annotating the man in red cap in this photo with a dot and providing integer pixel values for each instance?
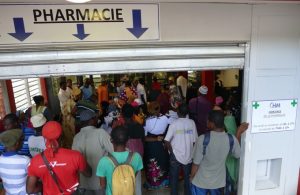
(65, 163)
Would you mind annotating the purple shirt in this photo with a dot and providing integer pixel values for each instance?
(199, 108)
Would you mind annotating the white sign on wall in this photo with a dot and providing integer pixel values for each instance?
(276, 115)
(78, 23)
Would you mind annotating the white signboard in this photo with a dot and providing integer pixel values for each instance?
(277, 115)
(78, 23)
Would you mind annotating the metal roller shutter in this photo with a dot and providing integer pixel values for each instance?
(33, 61)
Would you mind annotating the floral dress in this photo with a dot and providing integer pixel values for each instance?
(156, 157)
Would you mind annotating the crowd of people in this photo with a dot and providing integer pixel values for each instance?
(104, 146)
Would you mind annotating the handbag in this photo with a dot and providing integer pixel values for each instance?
(54, 176)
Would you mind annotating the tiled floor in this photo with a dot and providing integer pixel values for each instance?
(163, 191)
(156, 192)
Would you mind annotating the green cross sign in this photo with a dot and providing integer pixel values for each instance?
(294, 103)
(255, 105)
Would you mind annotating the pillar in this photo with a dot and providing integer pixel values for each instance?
(208, 79)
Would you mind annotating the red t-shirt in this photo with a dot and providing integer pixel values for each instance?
(155, 86)
(66, 164)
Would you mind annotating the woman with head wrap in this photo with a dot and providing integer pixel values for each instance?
(67, 164)
(218, 103)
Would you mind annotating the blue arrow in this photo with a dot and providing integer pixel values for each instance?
(20, 33)
(137, 29)
(80, 32)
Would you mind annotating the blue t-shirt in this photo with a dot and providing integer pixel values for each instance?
(106, 167)
(87, 92)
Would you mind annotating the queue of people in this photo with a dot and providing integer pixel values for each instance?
(105, 147)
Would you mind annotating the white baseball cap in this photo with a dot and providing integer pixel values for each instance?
(38, 120)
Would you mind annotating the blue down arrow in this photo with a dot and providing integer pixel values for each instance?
(20, 33)
(80, 32)
(137, 29)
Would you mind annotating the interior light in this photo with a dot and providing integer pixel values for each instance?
(78, 1)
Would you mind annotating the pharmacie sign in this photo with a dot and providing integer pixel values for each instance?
(276, 115)
(78, 23)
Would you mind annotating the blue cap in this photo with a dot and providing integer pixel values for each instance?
(86, 115)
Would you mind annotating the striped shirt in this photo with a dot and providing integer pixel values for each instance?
(13, 172)
(27, 133)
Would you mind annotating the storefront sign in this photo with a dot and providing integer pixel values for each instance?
(277, 115)
(73, 23)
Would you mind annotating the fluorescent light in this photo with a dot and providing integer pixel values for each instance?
(78, 1)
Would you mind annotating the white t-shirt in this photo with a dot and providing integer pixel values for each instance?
(141, 91)
(36, 145)
(172, 116)
(63, 96)
(182, 134)
(156, 125)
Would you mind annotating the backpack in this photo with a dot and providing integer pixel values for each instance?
(123, 177)
(207, 139)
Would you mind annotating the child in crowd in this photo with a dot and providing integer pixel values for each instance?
(106, 167)
(13, 167)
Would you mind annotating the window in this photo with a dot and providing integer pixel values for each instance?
(24, 90)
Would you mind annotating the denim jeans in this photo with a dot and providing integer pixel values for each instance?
(229, 188)
(174, 174)
(200, 191)
(138, 184)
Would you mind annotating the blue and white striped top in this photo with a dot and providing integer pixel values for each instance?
(13, 172)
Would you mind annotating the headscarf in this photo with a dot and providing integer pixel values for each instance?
(51, 132)
(219, 100)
